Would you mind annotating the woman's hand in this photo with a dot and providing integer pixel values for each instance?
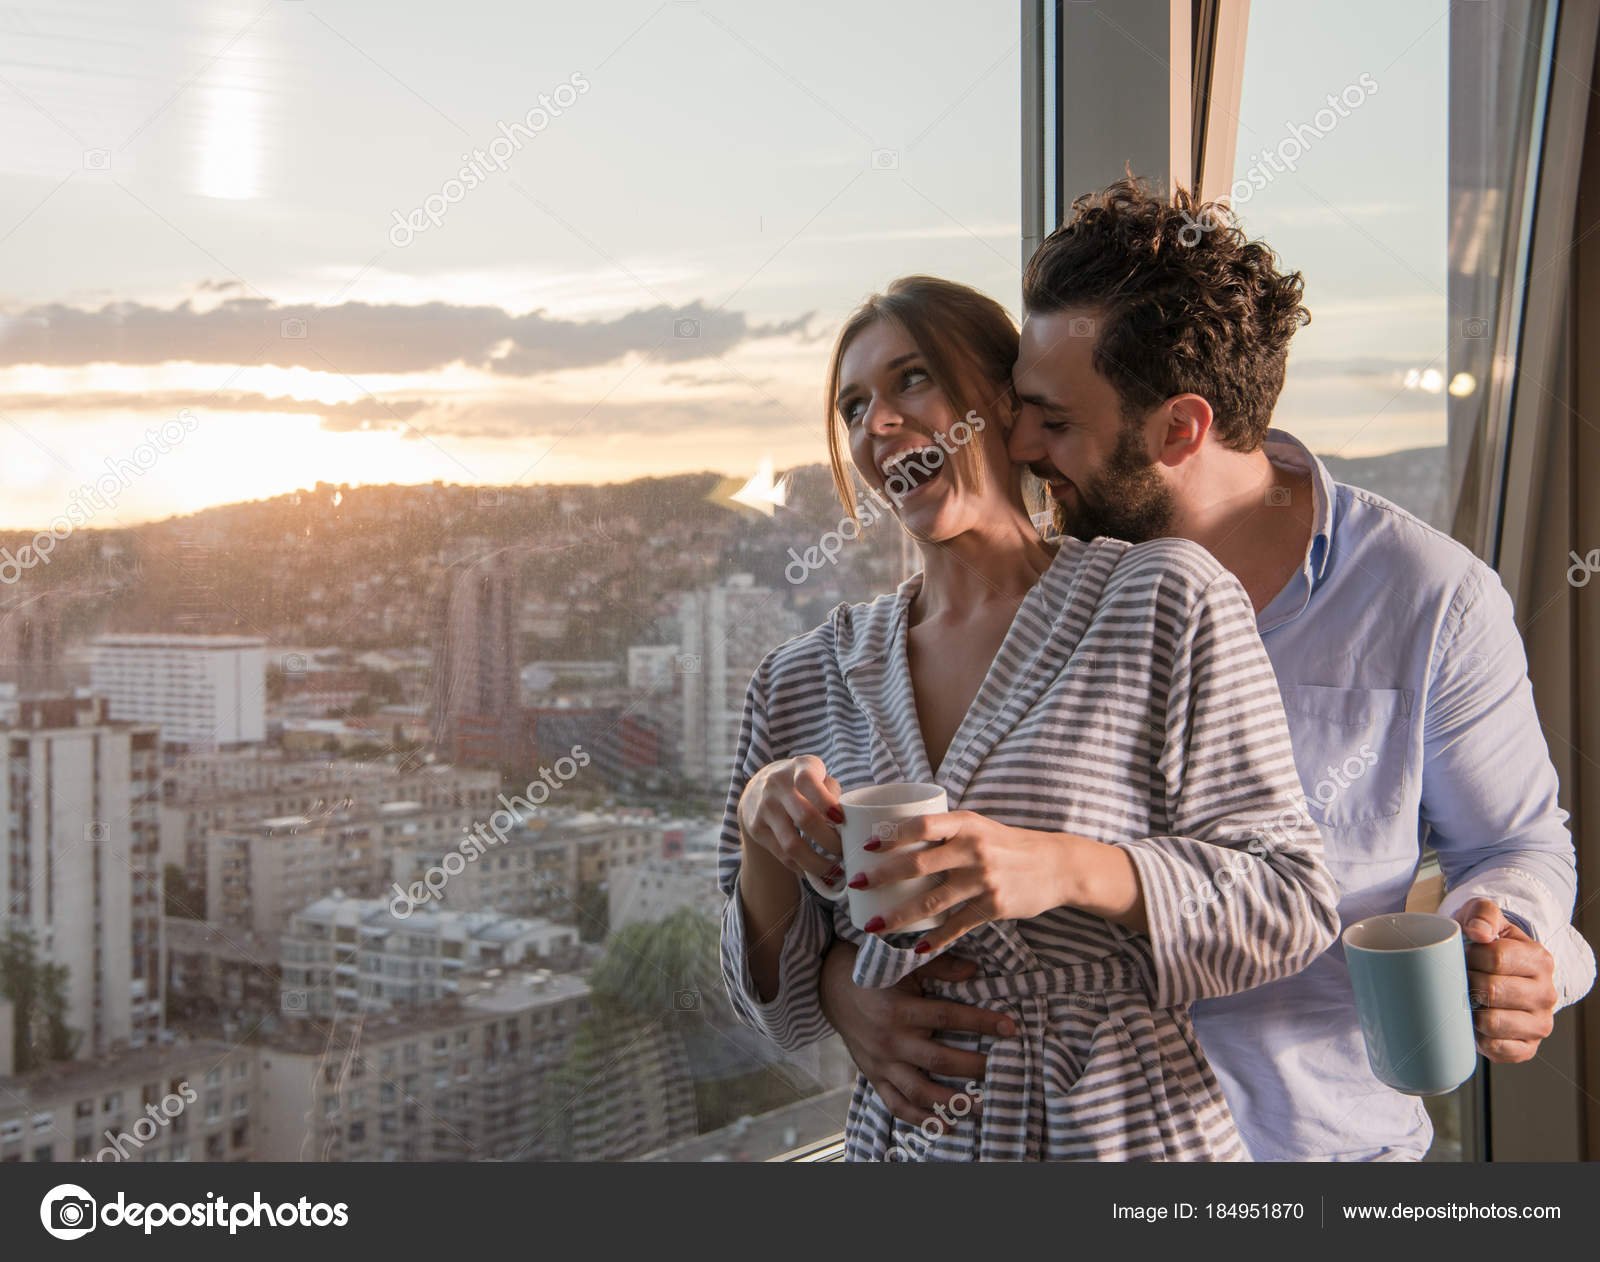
(788, 801)
(993, 871)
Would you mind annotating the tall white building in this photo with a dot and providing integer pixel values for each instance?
(724, 632)
(203, 691)
(82, 862)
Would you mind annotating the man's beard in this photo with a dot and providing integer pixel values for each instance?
(1125, 500)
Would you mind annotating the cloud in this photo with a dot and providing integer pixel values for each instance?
(357, 337)
(348, 415)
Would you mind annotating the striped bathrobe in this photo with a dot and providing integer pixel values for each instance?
(1131, 702)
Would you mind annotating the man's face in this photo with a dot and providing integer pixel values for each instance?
(1072, 433)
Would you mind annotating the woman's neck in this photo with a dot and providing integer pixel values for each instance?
(980, 567)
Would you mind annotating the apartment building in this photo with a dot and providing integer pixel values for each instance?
(239, 794)
(81, 870)
(724, 632)
(190, 1101)
(539, 869)
(349, 955)
(471, 1078)
(202, 691)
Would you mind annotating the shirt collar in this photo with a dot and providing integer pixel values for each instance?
(1288, 452)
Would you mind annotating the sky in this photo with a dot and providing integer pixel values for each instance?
(248, 223)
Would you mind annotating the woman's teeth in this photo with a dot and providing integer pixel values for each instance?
(909, 471)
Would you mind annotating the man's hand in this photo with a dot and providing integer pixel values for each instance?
(889, 1032)
(1512, 982)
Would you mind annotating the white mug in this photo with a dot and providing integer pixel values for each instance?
(873, 812)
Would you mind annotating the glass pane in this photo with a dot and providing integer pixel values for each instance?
(426, 404)
(1341, 166)
(1386, 151)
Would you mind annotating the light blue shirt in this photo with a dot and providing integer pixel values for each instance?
(1406, 688)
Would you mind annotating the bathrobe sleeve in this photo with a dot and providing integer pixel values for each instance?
(793, 1017)
(1236, 892)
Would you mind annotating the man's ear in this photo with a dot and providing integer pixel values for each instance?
(1186, 423)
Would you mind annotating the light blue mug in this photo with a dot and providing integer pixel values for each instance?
(1409, 971)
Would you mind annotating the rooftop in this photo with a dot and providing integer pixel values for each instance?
(167, 640)
(512, 992)
(759, 1138)
(137, 1065)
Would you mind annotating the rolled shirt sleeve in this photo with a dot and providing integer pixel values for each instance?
(1490, 794)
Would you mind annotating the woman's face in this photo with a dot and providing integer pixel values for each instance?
(904, 433)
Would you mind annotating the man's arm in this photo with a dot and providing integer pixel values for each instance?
(1489, 799)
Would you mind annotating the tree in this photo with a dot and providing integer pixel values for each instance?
(670, 965)
(38, 994)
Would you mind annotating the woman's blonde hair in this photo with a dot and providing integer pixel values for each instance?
(966, 340)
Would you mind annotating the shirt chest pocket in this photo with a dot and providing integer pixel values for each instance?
(1352, 747)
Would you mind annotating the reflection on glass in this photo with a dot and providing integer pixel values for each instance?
(424, 493)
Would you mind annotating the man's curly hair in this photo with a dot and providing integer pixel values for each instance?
(1183, 303)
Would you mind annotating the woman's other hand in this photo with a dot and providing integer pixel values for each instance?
(787, 802)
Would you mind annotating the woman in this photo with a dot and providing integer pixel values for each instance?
(1108, 730)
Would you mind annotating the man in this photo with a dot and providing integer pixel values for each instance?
(1150, 364)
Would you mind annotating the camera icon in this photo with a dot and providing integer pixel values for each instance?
(686, 1001)
(294, 326)
(294, 663)
(1277, 496)
(97, 159)
(294, 1001)
(1080, 326)
(688, 663)
(1474, 328)
(67, 1212)
(97, 830)
(488, 497)
(686, 328)
(888, 830)
(884, 160)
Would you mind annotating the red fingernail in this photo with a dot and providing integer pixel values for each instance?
(858, 881)
(836, 815)
(923, 947)
(875, 925)
(874, 844)
(834, 874)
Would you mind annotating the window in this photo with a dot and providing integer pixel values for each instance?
(518, 520)
(1409, 208)
(1352, 192)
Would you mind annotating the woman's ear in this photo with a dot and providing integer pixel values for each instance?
(1011, 408)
